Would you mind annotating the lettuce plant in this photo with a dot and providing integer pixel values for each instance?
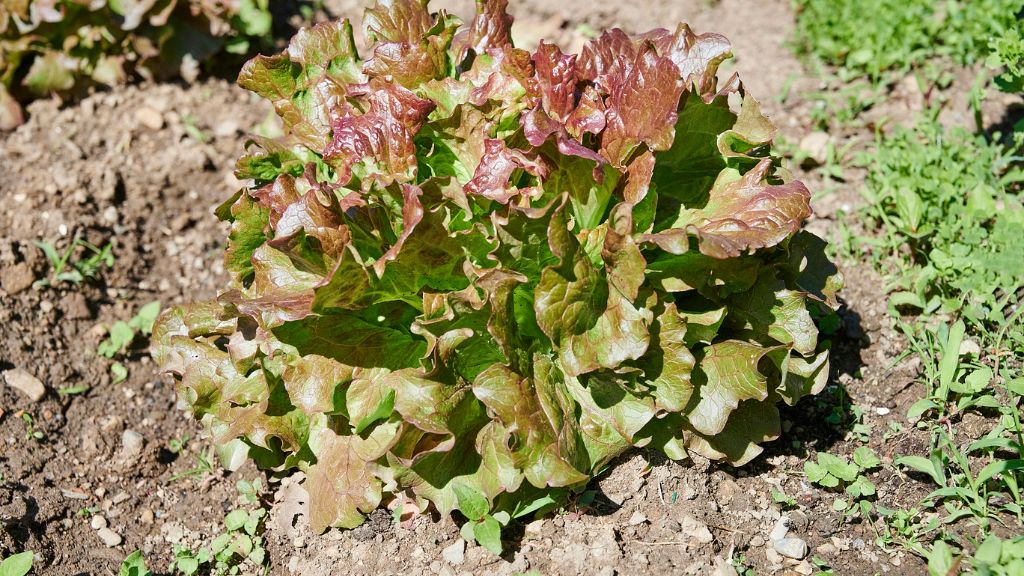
(51, 46)
(472, 276)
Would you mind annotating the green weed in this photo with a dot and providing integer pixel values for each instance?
(64, 269)
(882, 39)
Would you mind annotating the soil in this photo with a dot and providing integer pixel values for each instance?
(143, 167)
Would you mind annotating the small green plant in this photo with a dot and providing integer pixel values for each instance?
(87, 511)
(134, 565)
(63, 269)
(1007, 57)
(742, 566)
(240, 544)
(782, 499)
(122, 334)
(249, 492)
(238, 549)
(17, 565)
(30, 431)
(203, 467)
(73, 390)
(999, 557)
(833, 472)
(177, 445)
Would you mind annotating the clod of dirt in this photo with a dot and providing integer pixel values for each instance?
(20, 379)
(17, 278)
(131, 448)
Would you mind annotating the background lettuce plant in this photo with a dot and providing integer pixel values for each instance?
(51, 46)
(472, 275)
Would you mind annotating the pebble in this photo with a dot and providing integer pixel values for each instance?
(881, 411)
(827, 549)
(637, 518)
(149, 118)
(225, 128)
(146, 517)
(804, 568)
(46, 306)
(121, 497)
(815, 145)
(727, 490)
(696, 529)
(455, 553)
(28, 384)
(780, 529)
(109, 537)
(74, 494)
(131, 445)
(756, 542)
(970, 347)
(723, 568)
(794, 548)
(671, 525)
(98, 522)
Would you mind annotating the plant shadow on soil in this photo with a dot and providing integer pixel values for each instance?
(20, 528)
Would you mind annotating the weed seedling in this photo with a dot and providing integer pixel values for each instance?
(62, 269)
(30, 431)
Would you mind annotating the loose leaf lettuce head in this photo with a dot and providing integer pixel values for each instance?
(472, 275)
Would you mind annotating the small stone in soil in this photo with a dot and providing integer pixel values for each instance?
(131, 446)
(794, 548)
(637, 518)
(29, 385)
(149, 118)
(815, 145)
(455, 553)
(780, 530)
(696, 529)
(109, 537)
(98, 522)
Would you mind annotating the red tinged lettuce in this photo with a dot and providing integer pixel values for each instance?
(475, 275)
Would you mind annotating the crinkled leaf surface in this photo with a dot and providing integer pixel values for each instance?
(477, 275)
